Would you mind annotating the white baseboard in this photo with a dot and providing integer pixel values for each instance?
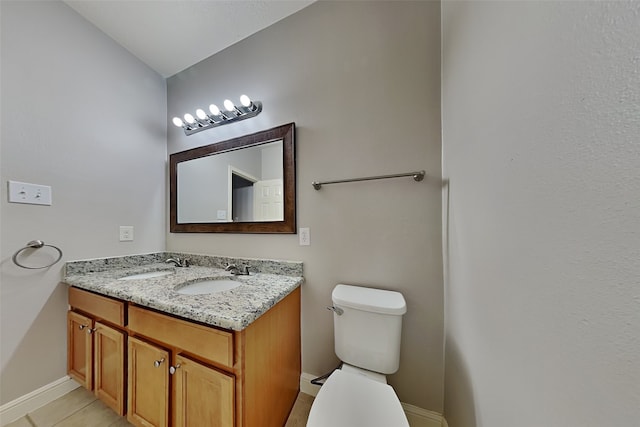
(21, 406)
(305, 384)
(417, 417)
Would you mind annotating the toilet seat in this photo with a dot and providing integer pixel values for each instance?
(350, 400)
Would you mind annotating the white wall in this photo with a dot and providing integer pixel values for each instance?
(361, 81)
(81, 114)
(541, 128)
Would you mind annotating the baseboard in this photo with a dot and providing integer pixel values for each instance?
(305, 384)
(21, 406)
(417, 417)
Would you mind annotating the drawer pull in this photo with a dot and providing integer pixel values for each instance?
(173, 369)
(157, 363)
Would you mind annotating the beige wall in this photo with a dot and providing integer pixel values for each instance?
(541, 126)
(81, 114)
(361, 80)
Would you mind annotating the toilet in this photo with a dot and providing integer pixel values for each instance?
(367, 326)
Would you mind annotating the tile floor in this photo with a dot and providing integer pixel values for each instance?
(80, 408)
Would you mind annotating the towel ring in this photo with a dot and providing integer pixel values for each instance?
(35, 244)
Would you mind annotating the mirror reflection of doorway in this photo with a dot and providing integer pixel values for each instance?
(242, 197)
(268, 200)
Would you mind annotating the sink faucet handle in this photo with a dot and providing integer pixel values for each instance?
(246, 269)
(178, 263)
(231, 267)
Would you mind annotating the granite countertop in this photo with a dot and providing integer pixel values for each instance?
(233, 309)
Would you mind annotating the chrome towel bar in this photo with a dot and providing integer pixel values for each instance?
(35, 244)
(417, 176)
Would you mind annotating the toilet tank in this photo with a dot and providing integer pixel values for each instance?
(367, 327)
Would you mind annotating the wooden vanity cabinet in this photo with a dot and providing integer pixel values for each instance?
(80, 349)
(95, 355)
(148, 390)
(182, 373)
(202, 393)
(197, 376)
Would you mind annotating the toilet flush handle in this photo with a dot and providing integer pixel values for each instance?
(336, 310)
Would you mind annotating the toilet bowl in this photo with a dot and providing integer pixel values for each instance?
(367, 326)
(348, 399)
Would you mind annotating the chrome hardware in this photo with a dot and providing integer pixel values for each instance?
(81, 327)
(232, 268)
(417, 176)
(236, 271)
(36, 244)
(336, 310)
(173, 369)
(90, 331)
(157, 363)
(179, 263)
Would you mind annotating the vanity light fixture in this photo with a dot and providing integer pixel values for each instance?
(216, 117)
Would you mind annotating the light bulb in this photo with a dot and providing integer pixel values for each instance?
(229, 105)
(214, 109)
(177, 121)
(245, 101)
(189, 118)
(201, 114)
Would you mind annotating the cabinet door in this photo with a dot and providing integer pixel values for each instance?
(148, 392)
(108, 358)
(202, 396)
(79, 341)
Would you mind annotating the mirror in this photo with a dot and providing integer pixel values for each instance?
(242, 185)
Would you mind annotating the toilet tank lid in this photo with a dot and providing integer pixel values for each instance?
(369, 299)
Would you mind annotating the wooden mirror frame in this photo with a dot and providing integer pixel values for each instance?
(286, 133)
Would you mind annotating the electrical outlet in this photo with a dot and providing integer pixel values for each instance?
(126, 233)
(305, 236)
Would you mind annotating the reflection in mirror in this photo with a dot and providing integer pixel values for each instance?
(251, 187)
(244, 185)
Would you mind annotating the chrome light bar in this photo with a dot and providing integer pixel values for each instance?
(216, 117)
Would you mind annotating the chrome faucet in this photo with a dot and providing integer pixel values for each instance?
(235, 271)
(179, 263)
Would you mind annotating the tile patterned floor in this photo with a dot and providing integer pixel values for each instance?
(80, 408)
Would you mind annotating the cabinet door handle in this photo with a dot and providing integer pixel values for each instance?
(81, 327)
(173, 369)
(90, 331)
(157, 363)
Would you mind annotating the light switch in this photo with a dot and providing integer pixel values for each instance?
(33, 194)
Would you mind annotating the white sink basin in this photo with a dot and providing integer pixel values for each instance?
(147, 275)
(207, 287)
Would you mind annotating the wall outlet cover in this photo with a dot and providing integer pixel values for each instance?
(305, 236)
(126, 233)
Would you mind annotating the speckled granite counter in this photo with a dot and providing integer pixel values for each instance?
(232, 309)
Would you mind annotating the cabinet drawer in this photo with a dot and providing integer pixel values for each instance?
(102, 308)
(209, 343)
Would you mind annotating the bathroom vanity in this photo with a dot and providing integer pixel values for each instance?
(227, 358)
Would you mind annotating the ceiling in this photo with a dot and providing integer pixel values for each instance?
(172, 35)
